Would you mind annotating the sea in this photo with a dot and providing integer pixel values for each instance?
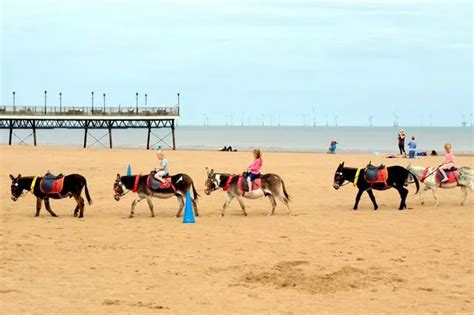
(377, 140)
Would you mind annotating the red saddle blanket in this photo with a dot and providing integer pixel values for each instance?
(244, 186)
(381, 178)
(155, 184)
(55, 186)
(452, 177)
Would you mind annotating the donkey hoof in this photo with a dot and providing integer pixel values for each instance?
(422, 203)
(130, 216)
(376, 208)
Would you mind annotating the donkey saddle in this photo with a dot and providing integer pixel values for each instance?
(155, 184)
(376, 174)
(52, 184)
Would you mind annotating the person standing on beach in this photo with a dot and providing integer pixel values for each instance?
(412, 148)
(163, 169)
(448, 162)
(401, 142)
(253, 171)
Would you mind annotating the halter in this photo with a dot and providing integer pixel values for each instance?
(342, 176)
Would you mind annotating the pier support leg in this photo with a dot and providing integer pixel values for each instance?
(11, 133)
(174, 140)
(85, 133)
(34, 133)
(148, 137)
(110, 135)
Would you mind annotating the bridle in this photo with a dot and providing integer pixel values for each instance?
(215, 185)
(119, 183)
(341, 174)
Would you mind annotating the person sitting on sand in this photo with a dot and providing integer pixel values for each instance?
(448, 162)
(162, 171)
(253, 171)
(332, 147)
(412, 148)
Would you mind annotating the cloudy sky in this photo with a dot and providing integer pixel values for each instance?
(277, 58)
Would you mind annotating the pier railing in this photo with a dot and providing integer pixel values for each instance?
(89, 111)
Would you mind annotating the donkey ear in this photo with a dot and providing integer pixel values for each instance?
(342, 164)
(11, 177)
(118, 176)
(207, 171)
(19, 175)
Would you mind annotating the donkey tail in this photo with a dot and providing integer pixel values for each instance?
(284, 190)
(415, 179)
(196, 195)
(89, 200)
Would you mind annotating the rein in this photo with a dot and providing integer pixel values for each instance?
(424, 176)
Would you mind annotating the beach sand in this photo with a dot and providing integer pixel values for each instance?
(324, 258)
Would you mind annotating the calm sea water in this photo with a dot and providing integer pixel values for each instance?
(309, 139)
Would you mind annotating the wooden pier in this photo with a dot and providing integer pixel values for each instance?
(107, 118)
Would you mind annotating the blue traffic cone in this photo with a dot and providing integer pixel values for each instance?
(188, 210)
(129, 170)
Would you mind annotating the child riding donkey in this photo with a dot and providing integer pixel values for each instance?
(253, 171)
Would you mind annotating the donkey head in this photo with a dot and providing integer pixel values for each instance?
(211, 182)
(16, 189)
(118, 188)
(339, 176)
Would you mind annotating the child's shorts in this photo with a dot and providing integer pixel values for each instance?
(252, 176)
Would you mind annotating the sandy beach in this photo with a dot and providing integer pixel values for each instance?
(326, 258)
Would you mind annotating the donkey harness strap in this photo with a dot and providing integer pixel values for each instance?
(228, 183)
(33, 183)
(135, 185)
(356, 178)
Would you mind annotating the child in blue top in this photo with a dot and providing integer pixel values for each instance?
(412, 148)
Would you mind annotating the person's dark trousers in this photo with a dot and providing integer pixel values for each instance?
(402, 149)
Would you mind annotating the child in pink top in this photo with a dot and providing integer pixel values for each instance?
(253, 171)
(448, 161)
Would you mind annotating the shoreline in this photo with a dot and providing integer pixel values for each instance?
(378, 153)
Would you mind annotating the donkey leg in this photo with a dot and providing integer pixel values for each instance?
(39, 202)
(273, 202)
(435, 195)
(226, 203)
(359, 194)
(48, 207)
(464, 191)
(134, 203)
(76, 211)
(403, 196)
(181, 205)
(196, 212)
(422, 197)
(242, 206)
(150, 205)
(372, 197)
(81, 204)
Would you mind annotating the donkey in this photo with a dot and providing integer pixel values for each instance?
(465, 180)
(72, 187)
(180, 184)
(272, 186)
(398, 177)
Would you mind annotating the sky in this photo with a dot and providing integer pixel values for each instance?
(285, 61)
